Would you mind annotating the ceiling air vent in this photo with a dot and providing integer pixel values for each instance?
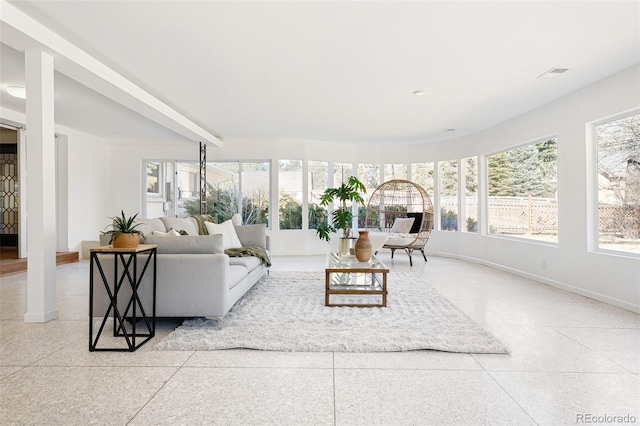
(553, 72)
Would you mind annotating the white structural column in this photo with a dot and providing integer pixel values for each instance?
(41, 191)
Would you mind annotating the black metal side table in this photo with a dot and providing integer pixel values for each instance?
(125, 270)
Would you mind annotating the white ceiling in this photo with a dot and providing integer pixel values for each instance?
(331, 70)
(79, 107)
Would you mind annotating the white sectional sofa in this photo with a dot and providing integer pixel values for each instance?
(195, 278)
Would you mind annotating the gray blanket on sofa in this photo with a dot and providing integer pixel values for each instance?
(200, 220)
(258, 252)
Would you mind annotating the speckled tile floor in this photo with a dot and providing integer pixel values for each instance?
(571, 358)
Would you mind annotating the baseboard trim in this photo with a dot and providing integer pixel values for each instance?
(553, 283)
(13, 266)
(41, 317)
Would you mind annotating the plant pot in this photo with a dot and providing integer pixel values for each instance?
(126, 241)
(363, 247)
(346, 246)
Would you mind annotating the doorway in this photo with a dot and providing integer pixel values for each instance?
(9, 193)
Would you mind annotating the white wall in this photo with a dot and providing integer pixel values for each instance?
(126, 174)
(611, 278)
(88, 183)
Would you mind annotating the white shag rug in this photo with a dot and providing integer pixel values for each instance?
(285, 311)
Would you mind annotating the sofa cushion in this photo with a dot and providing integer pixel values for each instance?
(228, 232)
(252, 235)
(172, 233)
(105, 239)
(187, 244)
(249, 262)
(147, 226)
(180, 223)
(236, 274)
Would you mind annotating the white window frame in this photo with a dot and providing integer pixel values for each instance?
(160, 177)
(483, 175)
(593, 196)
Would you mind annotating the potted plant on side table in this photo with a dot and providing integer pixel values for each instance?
(123, 232)
(342, 216)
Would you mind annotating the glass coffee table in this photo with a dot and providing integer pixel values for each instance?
(355, 283)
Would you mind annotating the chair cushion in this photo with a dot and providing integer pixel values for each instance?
(417, 223)
(378, 239)
(402, 225)
(400, 240)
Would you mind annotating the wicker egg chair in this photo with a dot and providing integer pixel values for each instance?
(390, 208)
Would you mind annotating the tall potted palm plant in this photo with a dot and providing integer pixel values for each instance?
(342, 216)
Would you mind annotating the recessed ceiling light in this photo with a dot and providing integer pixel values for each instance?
(17, 92)
(419, 93)
(553, 72)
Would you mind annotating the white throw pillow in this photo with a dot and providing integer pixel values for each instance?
(171, 233)
(402, 225)
(229, 236)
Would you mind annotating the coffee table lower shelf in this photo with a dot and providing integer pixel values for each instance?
(382, 304)
(348, 277)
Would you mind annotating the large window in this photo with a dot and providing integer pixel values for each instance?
(523, 199)
(153, 178)
(422, 174)
(223, 191)
(254, 184)
(470, 170)
(618, 157)
(395, 171)
(341, 173)
(173, 187)
(290, 194)
(232, 187)
(369, 175)
(448, 171)
(318, 172)
(160, 188)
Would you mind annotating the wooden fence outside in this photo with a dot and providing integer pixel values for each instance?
(539, 216)
(523, 215)
(621, 221)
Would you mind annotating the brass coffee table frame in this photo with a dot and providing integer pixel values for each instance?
(345, 275)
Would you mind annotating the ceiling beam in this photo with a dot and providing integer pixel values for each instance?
(22, 32)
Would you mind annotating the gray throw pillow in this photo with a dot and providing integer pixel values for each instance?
(181, 223)
(253, 235)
